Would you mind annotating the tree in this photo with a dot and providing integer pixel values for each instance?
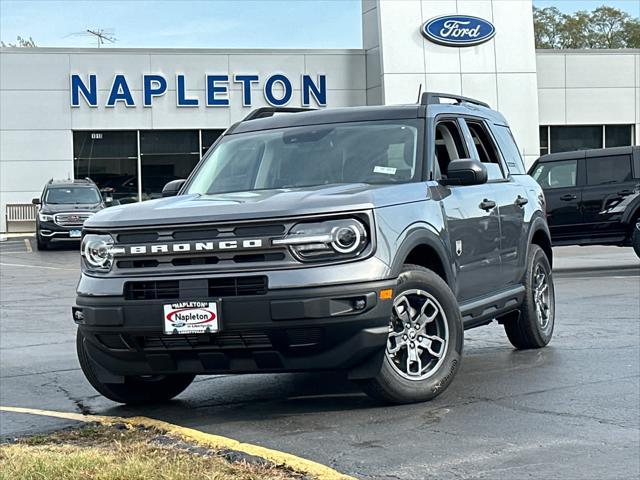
(604, 27)
(574, 31)
(632, 32)
(608, 24)
(547, 23)
(21, 43)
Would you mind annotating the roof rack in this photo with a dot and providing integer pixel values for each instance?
(433, 98)
(264, 112)
(67, 181)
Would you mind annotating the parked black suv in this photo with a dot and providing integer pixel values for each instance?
(63, 209)
(359, 239)
(593, 196)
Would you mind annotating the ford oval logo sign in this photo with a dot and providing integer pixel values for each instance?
(458, 30)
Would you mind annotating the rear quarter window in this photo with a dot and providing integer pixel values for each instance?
(509, 149)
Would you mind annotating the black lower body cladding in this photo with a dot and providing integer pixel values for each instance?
(325, 328)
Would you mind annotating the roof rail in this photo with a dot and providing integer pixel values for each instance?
(433, 98)
(264, 112)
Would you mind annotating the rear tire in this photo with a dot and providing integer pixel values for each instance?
(136, 390)
(635, 237)
(424, 349)
(533, 327)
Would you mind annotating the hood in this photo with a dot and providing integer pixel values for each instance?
(71, 207)
(259, 204)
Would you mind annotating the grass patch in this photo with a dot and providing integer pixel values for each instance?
(115, 452)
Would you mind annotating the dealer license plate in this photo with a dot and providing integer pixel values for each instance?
(191, 317)
(75, 233)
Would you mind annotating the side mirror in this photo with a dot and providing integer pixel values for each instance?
(172, 188)
(465, 171)
(36, 201)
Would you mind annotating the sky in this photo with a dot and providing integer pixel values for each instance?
(208, 23)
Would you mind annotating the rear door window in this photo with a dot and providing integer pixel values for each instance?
(556, 174)
(609, 170)
(487, 150)
(509, 149)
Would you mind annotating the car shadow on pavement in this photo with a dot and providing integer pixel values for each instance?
(57, 246)
(270, 396)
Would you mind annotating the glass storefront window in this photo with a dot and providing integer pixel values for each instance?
(579, 137)
(208, 138)
(166, 155)
(109, 158)
(618, 135)
(565, 138)
(544, 140)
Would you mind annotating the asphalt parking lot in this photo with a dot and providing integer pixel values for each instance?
(571, 410)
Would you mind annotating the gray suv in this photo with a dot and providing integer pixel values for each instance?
(362, 239)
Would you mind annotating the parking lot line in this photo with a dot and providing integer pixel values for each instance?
(217, 442)
(27, 244)
(35, 266)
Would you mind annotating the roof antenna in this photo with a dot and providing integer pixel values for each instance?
(419, 93)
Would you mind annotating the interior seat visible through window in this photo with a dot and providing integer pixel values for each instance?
(449, 146)
(487, 150)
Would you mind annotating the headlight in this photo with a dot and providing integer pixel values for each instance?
(98, 252)
(43, 217)
(330, 240)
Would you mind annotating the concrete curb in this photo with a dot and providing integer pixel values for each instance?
(598, 268)
(217, 442)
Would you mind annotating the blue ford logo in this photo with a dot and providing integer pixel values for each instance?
(458, 30)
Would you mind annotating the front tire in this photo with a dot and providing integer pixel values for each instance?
(635, 237)
(136, 390)
(533, 327)
(41, 244)
(424, 348)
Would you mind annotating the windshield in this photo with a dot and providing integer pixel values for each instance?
(72, 195)
(363, 152)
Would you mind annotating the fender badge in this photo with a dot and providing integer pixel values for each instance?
(458, 247)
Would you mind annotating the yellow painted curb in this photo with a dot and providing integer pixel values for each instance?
(217, 442)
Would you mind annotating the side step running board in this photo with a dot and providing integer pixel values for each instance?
(483, 310)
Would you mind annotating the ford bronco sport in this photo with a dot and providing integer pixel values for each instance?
(359, 239)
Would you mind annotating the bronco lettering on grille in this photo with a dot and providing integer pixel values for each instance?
(194, 246)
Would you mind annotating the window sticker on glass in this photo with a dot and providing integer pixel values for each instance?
(385, 170)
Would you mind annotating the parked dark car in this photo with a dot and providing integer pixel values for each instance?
(359, 239)
(63, 208)
(593, 196)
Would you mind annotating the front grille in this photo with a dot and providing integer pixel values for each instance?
(154, 290)
(194, 342)
(156, 253)
(201, 233)
(215, 287)
(237, 286)
(71, 219)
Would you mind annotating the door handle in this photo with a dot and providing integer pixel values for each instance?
(521, 201)
(568, 196)
(625, 192)
(487, 204)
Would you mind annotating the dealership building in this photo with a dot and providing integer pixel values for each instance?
(133, 119)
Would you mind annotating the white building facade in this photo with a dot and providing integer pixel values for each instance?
(133, 119)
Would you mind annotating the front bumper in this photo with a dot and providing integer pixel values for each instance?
(52, 231)
(284, 330)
